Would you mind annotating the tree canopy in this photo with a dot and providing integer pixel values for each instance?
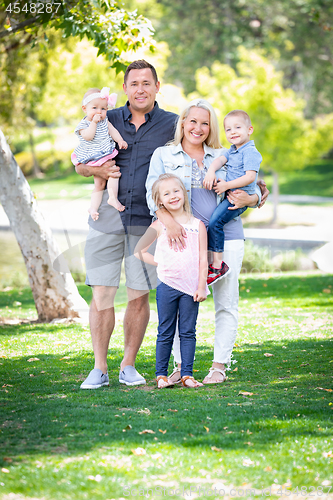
(111, 28)
(296, 34)
(26, 38)
(286, 139)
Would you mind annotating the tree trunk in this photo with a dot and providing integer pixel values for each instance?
(275, 196)
(55, 294)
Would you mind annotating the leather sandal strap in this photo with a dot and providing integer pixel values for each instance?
(213, 370)
(186, 377)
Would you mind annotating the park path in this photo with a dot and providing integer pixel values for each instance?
(307, 224)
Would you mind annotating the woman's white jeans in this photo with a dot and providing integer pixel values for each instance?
(226, 295)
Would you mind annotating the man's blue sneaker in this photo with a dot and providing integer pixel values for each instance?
(130, 376)
(95, 379)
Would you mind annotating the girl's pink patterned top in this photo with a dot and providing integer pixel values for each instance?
(180, 270)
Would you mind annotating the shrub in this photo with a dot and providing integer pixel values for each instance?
(256, 259)
(259, 259)
(49, 161)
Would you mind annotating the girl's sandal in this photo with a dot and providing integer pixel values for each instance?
(162, 378)
(209, 378)
(195, 382)
(175, 376)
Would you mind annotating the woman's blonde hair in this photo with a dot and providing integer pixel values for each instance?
(213, 139)
(155, 191)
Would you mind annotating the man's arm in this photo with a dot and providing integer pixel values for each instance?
(108, 169)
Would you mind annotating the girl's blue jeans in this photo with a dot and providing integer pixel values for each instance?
(170, 304)
(220, 217)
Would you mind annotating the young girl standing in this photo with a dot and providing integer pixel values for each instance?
(97, 144)
(182, 277)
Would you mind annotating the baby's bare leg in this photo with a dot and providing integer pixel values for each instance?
(96, 197)
(112, 185)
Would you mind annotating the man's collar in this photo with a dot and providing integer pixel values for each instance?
(148, 116)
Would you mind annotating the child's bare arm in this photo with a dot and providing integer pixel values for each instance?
(89, 133)
(240, 182)
(117, 137)
(142, 247)
(210, 177)
(201, 295)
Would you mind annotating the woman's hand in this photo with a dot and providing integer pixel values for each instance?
(239, 199)
(176, 235)
(200, 295)
(264, 192)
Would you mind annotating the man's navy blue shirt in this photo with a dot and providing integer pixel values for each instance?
(158, 129)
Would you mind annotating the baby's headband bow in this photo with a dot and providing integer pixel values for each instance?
(103, 94)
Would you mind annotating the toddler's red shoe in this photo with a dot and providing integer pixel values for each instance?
(215, 275)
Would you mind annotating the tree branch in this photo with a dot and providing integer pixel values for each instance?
(18, 43)
(21, 25)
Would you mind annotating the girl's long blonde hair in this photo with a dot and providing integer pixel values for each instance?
(213, 139)
(155, 191)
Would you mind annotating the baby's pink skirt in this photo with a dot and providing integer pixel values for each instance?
(96, 163)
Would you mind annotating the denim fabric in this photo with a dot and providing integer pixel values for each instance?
(226, 294)
(247, 157)
(170, 303)
(174, 160)
(220, 217)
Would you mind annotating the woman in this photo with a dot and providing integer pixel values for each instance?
(195, 146)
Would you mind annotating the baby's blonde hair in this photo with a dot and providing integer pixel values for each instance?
(155, 191)
(90, 91)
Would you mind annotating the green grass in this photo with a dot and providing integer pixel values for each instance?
(314, 180)
(66, 186)
(58, 442)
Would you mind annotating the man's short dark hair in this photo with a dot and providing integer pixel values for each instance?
(140, 64)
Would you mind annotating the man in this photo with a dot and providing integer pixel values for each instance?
(113, 237)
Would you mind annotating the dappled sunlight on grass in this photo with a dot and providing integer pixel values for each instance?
(269, 423)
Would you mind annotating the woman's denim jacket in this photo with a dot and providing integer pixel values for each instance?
(174, 160)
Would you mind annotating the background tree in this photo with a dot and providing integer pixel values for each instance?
(110, 28)
(113, 31)
(297, 35)
(285, 138)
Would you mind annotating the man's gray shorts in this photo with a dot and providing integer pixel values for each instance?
(104, 254)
